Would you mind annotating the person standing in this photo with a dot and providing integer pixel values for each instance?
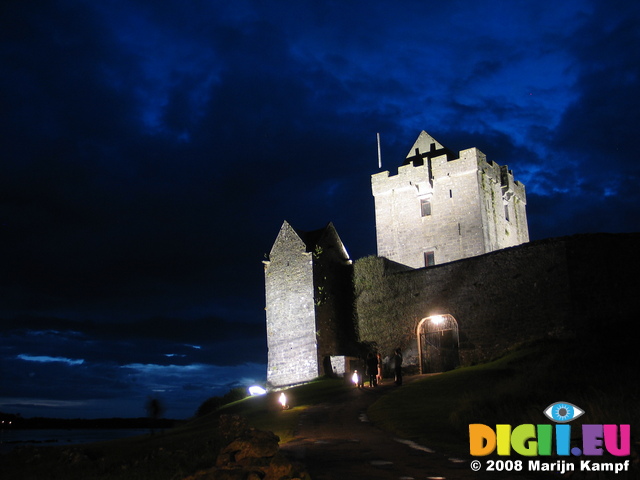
(397, 358)
(379, 376)
(362, 372)
(372, 369)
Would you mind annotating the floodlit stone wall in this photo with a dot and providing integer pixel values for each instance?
(556, 287)
(291, 326)
(309, 305)
(474, 207)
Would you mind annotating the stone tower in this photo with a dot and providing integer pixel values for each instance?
(309, 304)
(440, 208)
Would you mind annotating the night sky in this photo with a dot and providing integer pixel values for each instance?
(150, 151)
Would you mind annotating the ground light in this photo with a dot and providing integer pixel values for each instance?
(256, 390)
(283, 401)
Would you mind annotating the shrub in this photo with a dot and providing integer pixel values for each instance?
(214, 403)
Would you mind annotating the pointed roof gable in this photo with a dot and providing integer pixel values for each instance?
(325, 236)
(286, 239)
(426, 147)
(309, 240)
(423, 144)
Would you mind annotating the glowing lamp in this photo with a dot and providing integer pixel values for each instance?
(283, 401)
(354, 378)
(256, 390)
(437, 319)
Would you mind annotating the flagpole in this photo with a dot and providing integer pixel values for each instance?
(379, 154)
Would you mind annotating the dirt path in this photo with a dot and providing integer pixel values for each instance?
(335, 441)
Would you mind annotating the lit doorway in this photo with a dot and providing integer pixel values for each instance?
(438, 343)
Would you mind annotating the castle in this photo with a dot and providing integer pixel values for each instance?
(455, 281)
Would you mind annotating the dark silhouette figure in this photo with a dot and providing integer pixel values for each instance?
(397, 358)
(326, 365)
(362, 372)
(372, 369)
(379, 375)
(154, 412)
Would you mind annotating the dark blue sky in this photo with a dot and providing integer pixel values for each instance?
(149, 152)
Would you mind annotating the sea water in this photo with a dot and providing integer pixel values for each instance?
(12, 438)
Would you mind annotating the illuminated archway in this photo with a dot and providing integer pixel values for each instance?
(438, 343)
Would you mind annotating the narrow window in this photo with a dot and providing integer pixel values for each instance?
(429, 259)
(425, 207)
(506, 212)
(450, 193)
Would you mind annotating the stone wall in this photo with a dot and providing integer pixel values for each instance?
(333, 277)
(503, 204)
(475, 206)
(309, 305)
(570, 286)
(290, 309)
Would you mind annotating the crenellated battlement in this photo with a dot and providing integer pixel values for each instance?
(441, 207)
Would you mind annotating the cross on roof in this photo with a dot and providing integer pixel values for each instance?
(418, 158)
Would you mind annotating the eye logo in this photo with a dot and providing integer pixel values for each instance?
(563, 412)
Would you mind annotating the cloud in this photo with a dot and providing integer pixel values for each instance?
(124, 364)
(47, 359)
(152, 338)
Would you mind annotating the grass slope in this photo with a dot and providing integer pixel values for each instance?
(514, 389)
(266, 413)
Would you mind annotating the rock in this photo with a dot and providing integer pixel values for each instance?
(232, 426)
(250, 455)
(253, 444)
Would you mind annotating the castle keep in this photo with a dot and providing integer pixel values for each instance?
(440, 208)
(455, 282)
